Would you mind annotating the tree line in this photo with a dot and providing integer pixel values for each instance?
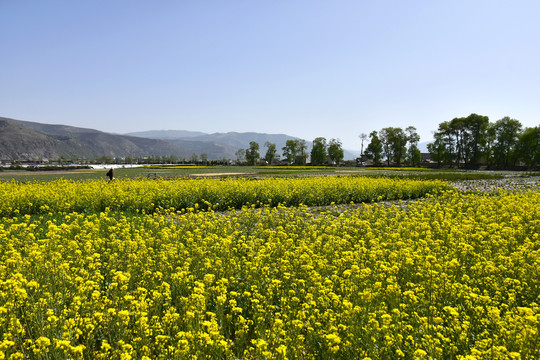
(295, 152)
(464, 142)
(394, 146)
(473, 141)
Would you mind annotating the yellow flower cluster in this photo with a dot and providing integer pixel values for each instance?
(455, 276)
(222, 194)
(191, 167)
(400, 168)
(295, 167)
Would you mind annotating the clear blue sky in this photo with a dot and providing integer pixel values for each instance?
(305, 68)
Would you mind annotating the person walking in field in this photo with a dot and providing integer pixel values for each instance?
(110, 174)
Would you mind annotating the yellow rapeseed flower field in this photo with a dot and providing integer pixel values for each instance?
(221, 194)
(454, 276)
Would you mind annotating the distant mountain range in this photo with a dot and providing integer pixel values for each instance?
(217, 145)
(25, 140)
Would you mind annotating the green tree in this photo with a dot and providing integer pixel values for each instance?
(443, 149)
(385, 136)
(252, 154)
(470, 134)
(462, 141)
(204, 158)
(374, 150)
(363, 137)
(295, 151)
(302, 153)
(456, 130)
(437, 149)
(335, 151)
(240, 156)
(476, 126)
(394, 142)
(490, 145)
(528, 147)
(414, 156)
(101, 160)
(318, 152)
(270, 152)
(398, 143)
(507, 133)
(290, 150)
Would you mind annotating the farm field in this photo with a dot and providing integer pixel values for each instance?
(152, 172)
(307, 267)
(162, 171)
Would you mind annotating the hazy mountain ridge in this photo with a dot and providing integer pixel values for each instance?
(227, 143)
(26, 140)
(22, 140)
(167, 134)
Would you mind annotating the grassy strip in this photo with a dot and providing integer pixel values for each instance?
(295, 167)
(400, 168)
(291, 171)
(194, 167)
(447, 176)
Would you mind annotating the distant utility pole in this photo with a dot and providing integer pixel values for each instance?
(362, 137)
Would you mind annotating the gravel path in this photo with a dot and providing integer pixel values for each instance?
(508, 183)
